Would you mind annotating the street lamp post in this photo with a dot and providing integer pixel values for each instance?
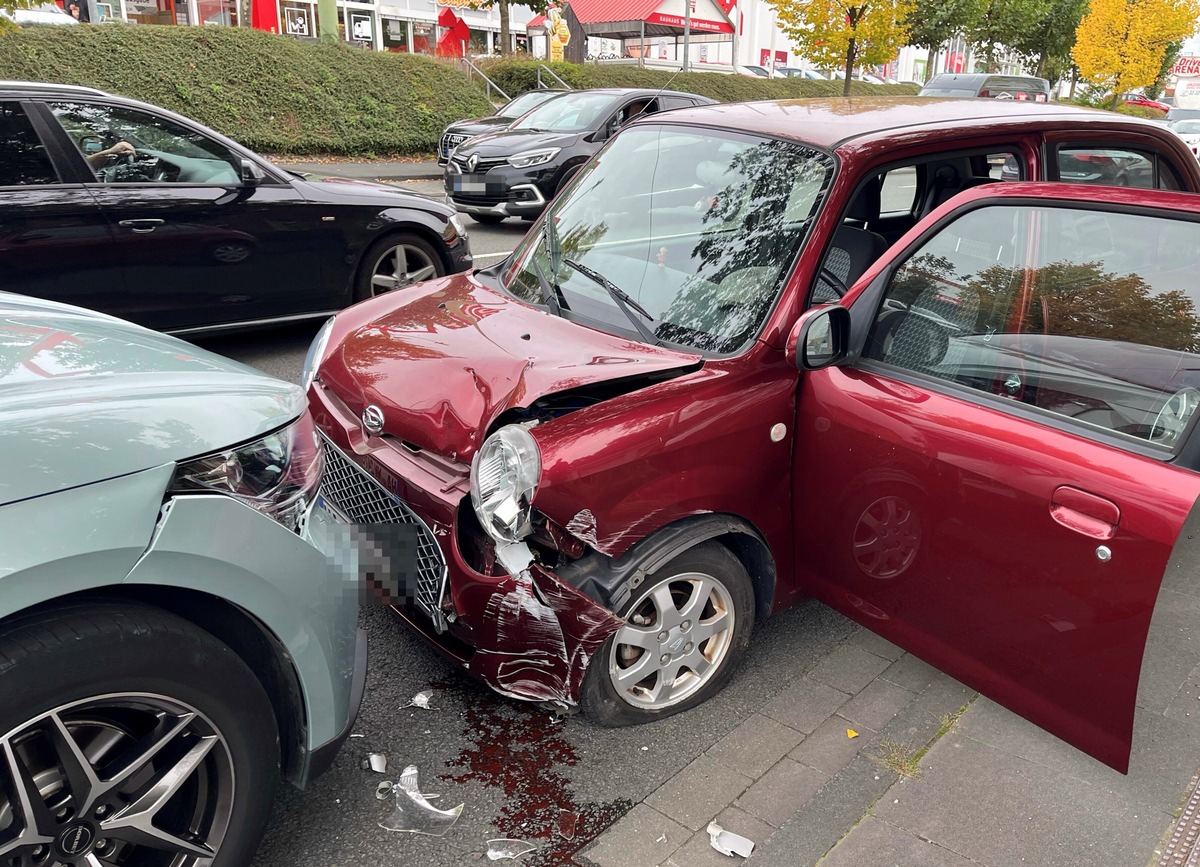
(687, 31)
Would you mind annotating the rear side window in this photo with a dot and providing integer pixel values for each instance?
(25, 161)
(1094, 323)
(1115, 167)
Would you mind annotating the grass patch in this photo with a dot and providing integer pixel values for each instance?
(900, 758)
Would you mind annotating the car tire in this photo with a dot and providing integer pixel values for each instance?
(567, 177)
(139, 735)
(488, 219)
(395, 262)
(708, 577)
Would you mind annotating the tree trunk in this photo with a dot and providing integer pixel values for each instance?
(1115, 101)
(1041, 67)
(931, 62)
(1074, 81)
(505, 35)
(849, 67)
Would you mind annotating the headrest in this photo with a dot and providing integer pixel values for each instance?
(864, 207)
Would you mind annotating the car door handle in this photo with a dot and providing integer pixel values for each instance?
(141, 226)
(1085, 513)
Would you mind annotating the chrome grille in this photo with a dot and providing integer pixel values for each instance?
(352, 491)
(451, 140)
(484, 165)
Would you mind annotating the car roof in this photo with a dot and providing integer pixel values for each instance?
(39, 87)
(638, 91)
(980, 76)
(829, 123)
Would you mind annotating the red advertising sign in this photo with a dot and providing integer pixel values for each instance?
(698, 24)
(1187, 66)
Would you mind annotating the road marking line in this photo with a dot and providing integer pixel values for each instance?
(492, 255)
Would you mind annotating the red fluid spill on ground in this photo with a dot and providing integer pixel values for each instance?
(519, 751)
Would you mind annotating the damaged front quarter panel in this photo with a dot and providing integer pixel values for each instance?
(557, 627)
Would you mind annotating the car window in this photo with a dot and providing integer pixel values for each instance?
(699, 228)
(163, 151)
(25, 159)
(899, 193)
(1114, 167)
(526, 102)
(1089, 316)
(573, 112)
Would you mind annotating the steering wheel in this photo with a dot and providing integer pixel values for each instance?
(1173, 418)
(838, 285)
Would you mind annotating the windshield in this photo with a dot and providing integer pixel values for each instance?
(527, 102)
(692, 230)
(573, 112)
(1186, 127)
(1183, 114)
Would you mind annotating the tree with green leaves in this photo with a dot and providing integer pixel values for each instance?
(1005, 24)
(1048, 42)
(845, 33)
(932, 25)
(1122, 44)
(1174, 49)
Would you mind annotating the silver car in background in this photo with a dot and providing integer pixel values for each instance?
(173, 640)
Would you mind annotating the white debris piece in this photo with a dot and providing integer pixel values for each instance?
(727, 842)
(376, 762)
(421, 700)
(503, 848)
(413, 812)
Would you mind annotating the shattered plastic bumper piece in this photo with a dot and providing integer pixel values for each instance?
(504, 849)
(727, 842)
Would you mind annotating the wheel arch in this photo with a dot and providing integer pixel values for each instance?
(402, 222)
(612, 580)
(243, 633)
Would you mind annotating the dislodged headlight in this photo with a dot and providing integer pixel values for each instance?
(454, 230)
(316, 352)
(277, 475)
(533, 158)
(504, 477)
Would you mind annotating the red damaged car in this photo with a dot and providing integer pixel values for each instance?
(819, 348)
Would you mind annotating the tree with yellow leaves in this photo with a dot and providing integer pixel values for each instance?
(844, 33)
(1120, 44)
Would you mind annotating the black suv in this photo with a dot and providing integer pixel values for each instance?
(517, 171)
(461, 130)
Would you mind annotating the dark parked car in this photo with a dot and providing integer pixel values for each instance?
(1018, 87)
(721, 375)
(191, 232)
(514, 173)
(459, 131)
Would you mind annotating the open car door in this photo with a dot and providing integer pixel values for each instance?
(995, 474)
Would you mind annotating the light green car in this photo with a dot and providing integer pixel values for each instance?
(175, 636)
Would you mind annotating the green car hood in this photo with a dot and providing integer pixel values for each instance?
(86, 397)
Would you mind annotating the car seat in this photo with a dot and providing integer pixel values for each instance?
(854, 248)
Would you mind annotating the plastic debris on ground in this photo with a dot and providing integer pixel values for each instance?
(421, 700)
(414, 814)
(384, 790)
(851, 733)
(375, 762)
(358, 736)
(566, 824)
(727, 842)
(502, 849)
(661, 839)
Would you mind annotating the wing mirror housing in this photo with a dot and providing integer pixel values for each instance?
(250, 174)
(820, 338)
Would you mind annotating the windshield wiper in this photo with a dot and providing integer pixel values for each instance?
(624, 301)
(551, 293)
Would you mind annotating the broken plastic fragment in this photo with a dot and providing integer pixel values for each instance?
(421, 699)
(727, 842)
(662, 839)
(498, 849)
(414, 813)
(384, 790)
(851, 733)
(357, 736)
(566, 824)
(375, 762)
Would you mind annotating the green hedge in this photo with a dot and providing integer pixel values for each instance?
(519, 75)
(272, 93)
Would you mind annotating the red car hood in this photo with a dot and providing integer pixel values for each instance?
(445, 359)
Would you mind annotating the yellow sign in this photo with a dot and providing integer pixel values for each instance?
(558, 35)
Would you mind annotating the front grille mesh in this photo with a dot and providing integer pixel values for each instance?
(452, 140)
(364, 501)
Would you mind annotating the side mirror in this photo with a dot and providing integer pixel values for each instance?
(820, 337)
(91, 144)
(250, 174)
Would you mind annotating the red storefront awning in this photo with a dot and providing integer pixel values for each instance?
(614, 17)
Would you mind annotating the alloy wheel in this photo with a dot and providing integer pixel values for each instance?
(127, 780)
(675, 638)
(400, 266)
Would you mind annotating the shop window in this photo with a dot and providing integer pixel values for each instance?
(395, 35)
(424, 39)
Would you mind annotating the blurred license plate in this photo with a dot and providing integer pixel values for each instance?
(470, 184)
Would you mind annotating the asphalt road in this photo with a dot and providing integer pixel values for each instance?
(520, 773)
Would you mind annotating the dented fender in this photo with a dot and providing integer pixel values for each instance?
(555, 628)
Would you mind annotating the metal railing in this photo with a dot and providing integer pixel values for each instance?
(491, 85)
(550, 72)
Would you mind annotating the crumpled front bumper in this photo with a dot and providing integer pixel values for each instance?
(524, 631)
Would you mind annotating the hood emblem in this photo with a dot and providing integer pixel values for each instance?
(372, 420)
(473, 162)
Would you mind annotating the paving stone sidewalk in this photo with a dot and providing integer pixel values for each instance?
(989, 788)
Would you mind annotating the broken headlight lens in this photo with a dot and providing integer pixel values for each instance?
(504, 478)
(277, 475)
